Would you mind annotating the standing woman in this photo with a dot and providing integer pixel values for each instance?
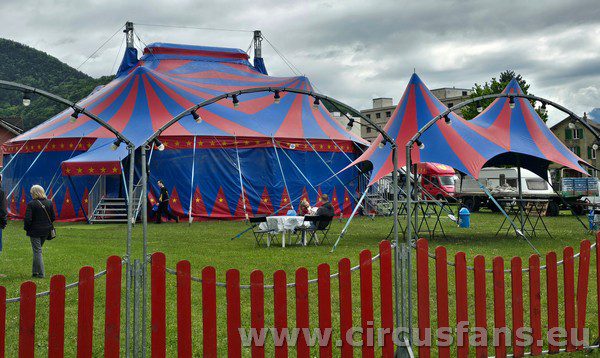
(38, 224)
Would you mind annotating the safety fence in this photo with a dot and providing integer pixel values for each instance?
(282, 293)
(516, 337)
(27, 301)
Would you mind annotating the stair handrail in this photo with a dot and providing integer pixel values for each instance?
(96, 194)
(137, 195)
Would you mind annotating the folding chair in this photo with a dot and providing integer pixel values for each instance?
(259, 233)
(320, 224)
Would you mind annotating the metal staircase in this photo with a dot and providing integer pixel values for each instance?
(105, 209)
(379, 198)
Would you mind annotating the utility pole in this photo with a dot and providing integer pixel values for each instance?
(129, 33)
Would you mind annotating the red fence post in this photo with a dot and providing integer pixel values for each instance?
(516, 274)
(27, 320)
(387, 298)
(582, 289)
(184, 309)
(569, 292)
(56, 320)
(158, 292)
(366, 303)
(345, 291)
(462, 305)
(441, 286)
(499, 306)
(234, 317)
(324, 294)
(85, 323)
(302, 312)
(112, 320)
(209, 312)
(423, 298)
(280, 313)
(257, 310)
(552, 292)
(480, 306)
(2, 321)
(535, 305)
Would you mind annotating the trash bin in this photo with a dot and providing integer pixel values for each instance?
(464, 218)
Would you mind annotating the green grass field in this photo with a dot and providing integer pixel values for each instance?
(209, 243)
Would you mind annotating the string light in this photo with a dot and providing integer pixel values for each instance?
(447, 119)
(235, 100)
(382, 143)
(350, 125)
(75, 115)
(479, 107)
(420, 144)
(115, 145)
(26, 99)
(196, 116)
(276, 97)
(316, 103)
(511, 102)
(158, 144)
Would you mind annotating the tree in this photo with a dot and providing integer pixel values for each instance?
(497, 86)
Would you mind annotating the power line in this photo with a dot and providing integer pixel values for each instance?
(193, 27)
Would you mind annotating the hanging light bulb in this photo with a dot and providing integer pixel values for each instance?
(447, 120)
(74, 116)
(235, 100)
(115, 145)
(595, 146)
(479, 107)
(158, 144)
(350, 125)
(382, 143)
(196, 116)
(511, 102)
(420, 144)
(572, 123)
(26, 99)
(276, 97)
(316, 103)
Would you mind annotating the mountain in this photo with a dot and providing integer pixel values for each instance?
(26, 65)
(594, 115)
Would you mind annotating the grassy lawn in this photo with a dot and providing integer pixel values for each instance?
(209, 243)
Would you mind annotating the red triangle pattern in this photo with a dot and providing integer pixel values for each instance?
(220, 208)
(175, 203)
(22, 203)
(318, 203)
(265, 207)
(305, 195)
(13, 205)
(347, 206)
(84, 202)
(284, 203)
(198, 207)
(239, 210)
(335, 203)
(68, 211)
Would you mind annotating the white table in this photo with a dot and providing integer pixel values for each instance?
(283, 224)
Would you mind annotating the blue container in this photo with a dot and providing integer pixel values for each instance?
(464, 218)
(591, 215)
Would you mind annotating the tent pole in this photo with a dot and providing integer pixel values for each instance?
(406, 350)
(130, 220)
(144, 230)
(520, 187)
(124, 183)
(239, 167)
(331, 170)
(190, 217)
(282, 173)
(349, 220)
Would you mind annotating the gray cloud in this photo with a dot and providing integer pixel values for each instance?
(352, 50)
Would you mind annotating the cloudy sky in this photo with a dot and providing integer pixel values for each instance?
(351, 50)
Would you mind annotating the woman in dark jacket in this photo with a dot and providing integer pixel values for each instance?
(38, 224)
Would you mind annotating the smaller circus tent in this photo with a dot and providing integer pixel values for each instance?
(525, 138)
(455, 144)
(498, 136)
(255, 158)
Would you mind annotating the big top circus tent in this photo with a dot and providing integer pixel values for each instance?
(237, 160)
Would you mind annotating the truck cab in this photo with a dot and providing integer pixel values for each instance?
(437, 179)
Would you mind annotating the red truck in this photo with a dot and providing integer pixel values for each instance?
(437, 179)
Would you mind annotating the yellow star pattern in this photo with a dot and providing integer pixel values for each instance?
(79, 170)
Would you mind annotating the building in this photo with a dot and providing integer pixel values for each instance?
(579, 140)
(10, 127)
(343, 120)
(384, 107)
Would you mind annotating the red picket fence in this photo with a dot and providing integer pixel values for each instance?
(283, 292)
(56, 314)
(575, 301)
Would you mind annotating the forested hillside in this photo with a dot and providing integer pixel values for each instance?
(23, 64)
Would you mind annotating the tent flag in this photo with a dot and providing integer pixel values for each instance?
(455, 145)
(526, 139)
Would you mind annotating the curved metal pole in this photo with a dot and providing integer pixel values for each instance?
(386, 137)
(131, 149)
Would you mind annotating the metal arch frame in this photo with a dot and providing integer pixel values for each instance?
(401, 263)
(8, 85)
(417, 135)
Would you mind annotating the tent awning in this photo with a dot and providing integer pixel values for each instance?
(100, 159)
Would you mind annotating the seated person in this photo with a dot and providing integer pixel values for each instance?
(326, 209)
(304, 208)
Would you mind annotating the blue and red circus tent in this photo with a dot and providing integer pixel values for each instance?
(237, 162)
(498, 136)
